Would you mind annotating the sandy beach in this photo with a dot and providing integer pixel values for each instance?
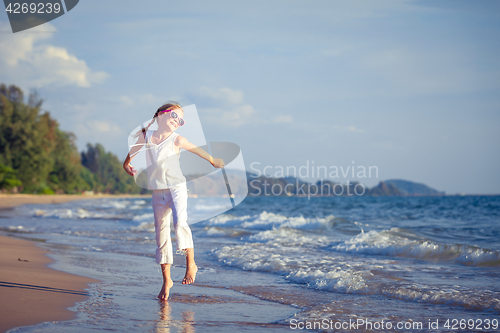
(13, 200)
(32, 292)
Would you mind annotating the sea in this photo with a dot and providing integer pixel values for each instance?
(412, 264)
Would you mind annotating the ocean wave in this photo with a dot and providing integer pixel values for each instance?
(144, 226)
(144, 217)
(76, 213)
(114, 204)
(226, 220)
(17, 229)
(268, 221)
(347, 276)
(202, 207)
(214, 231)
(291, 237)
(398, 242)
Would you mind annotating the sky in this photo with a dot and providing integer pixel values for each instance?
(411, 88)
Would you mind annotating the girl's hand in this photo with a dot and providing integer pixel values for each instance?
(218, 163)
(130, 169)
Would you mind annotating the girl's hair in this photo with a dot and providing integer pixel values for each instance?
(170, 105)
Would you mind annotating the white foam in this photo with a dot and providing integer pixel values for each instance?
(144, 217)
(76, 213)
(19, 227)
(227, 220)
(202, 207)
(92, 248)
(268, 221)
(145, 226)
(289, 236)
(214, 231)
(396, 242)
(347, 276)
(113, 203)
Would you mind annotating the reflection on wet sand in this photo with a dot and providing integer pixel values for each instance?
(166, 322)
(188, 321)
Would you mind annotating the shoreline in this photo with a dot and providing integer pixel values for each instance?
(9, 201)
(31, 291)
(45, 298)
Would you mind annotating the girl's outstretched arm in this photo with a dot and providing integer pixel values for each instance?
(133, 151)
(183, 143)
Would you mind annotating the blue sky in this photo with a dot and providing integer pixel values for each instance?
(412, 87)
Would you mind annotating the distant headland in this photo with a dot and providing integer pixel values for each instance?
(292, 186)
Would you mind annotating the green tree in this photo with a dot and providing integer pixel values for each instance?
(8, 178)
(108, 170)
(44, 157)
(38, 157)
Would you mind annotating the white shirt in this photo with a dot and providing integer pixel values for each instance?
(164, 170)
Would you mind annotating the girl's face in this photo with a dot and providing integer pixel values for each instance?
(166, 118)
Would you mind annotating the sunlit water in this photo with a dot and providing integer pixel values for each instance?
(396, 259)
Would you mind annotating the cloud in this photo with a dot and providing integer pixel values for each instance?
(126, 101)
(87, 119)
(104, 131)
(283, 119)
(354, 129)
(225, 95)
(227, 108)
(29, 61)
(103, 126)
(86, 124)
(137, 100)
(233, 117)
(348, 128)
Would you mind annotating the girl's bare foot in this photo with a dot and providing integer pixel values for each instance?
(190, 274)
(165, 290)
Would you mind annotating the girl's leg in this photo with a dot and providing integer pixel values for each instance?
(162, 214)
(164, 257)
(191, 267)
(183, 232)
(167, 282)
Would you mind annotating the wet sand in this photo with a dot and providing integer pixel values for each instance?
(30, 291)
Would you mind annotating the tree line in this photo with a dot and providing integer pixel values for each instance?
(36, 156)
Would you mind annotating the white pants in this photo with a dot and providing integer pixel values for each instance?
(166, 204)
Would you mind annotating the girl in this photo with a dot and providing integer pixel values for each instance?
(169, 188)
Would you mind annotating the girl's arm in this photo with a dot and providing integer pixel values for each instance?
(133, 151)
(182, 142)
